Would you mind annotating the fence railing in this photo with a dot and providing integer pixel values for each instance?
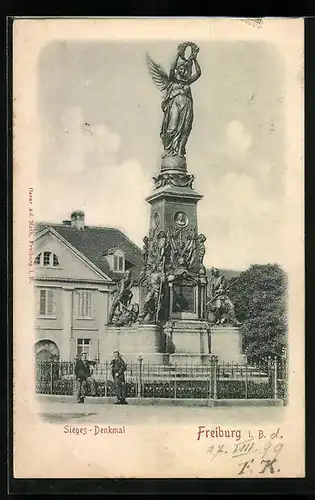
(212, 381)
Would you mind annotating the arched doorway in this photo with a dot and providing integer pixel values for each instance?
(46, 350)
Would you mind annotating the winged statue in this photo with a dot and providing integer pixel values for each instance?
(177, 102)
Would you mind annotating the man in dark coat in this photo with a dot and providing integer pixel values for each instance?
(118, 367)
(83, 374)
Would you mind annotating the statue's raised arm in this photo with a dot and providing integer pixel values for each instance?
(177, 102)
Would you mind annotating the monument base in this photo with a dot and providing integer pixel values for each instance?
(226, 343)
(187, 336)
(132, 359)
(173, 162)
(190, 359)
(132, 342)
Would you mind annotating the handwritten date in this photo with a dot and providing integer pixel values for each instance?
(252, 455)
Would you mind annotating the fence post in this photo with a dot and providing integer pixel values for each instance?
(106, 379)
(51, 377)
(210, 378)
(284, 375)
(215, 375)
(169, 381)
(139, 392)
(175, 387)
(36, 375)
(246, 379)
(275, 370)
(74, 379)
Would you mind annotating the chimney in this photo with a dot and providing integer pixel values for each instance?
(77, 219)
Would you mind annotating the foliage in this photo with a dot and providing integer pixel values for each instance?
(184, 389)
(282, 389)
(63, 387)
(236, 389)
(228, 389)
(130, 389)
(259, 295)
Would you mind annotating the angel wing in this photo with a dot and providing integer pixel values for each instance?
(158, 75)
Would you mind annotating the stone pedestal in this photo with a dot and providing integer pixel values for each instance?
(226, 343)
(133, 341)
(189, 359)
(173, 164)
(187, 341)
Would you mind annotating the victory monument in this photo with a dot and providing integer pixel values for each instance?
(181, 319)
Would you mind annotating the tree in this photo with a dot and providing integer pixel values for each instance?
(260, 298)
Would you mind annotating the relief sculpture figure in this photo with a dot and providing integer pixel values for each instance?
(220, 305)
(201, 250)
(122, 296)
(152, 304)
(145, 256)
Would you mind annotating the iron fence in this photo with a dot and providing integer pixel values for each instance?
(264, 380)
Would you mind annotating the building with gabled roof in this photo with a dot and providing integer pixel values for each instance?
(76, 269)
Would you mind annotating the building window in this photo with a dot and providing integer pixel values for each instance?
(84, 304)
(55, 260)
(116, 259)
(83, 345)
(38, 259)
(46, 259)
(118, 263)
(47, 302)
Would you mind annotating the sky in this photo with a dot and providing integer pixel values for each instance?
(100, 117)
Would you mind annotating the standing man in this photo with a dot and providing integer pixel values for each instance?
(83, 374)
(118, 367)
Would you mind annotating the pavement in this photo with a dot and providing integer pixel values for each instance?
(70, 411)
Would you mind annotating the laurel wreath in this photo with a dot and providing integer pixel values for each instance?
(183, 46)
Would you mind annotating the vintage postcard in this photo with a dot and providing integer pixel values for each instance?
(158, 248)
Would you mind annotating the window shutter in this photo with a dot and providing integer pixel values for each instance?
(55, 298)
(83, 303)
(91, 312)
(42, 302)
(77, 304)
(50, 302)
(80, 304)
(87, 304)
